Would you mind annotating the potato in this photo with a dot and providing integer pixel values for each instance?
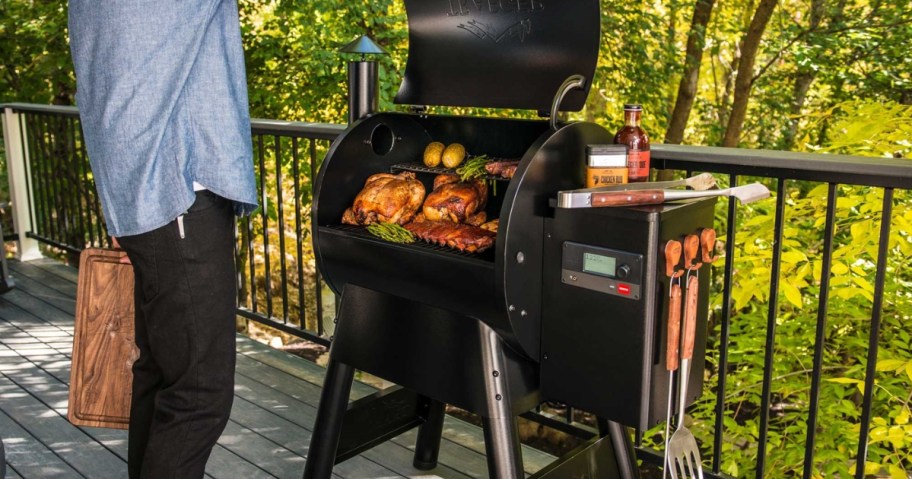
(453, 155)
(433, 153)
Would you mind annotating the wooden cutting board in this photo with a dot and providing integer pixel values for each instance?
(103, 348)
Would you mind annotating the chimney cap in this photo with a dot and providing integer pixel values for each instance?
(364, 46)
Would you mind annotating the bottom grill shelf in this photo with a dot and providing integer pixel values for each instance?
(362, 233)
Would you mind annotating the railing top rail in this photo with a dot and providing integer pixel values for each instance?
(845, 169)
(832, 168)
(323, 131)
(34, 108)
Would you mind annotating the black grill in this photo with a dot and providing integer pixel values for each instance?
(498, 332)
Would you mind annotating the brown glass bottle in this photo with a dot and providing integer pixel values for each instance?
(634, 136)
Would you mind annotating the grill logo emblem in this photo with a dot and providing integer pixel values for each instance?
(496, 31)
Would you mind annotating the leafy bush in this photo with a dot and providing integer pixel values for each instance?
(866, 129)
(860, 128)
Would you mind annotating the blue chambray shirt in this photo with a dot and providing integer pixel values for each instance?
(162, 94)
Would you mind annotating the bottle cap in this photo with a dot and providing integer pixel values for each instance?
(633, 107)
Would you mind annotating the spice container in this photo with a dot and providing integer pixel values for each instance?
(606, 165)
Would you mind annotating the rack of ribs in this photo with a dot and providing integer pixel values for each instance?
(468, 238)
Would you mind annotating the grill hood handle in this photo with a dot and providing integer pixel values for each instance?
(573, 82)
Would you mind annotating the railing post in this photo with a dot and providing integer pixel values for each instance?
(16, 147)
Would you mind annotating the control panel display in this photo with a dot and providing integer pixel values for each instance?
(599, 264)
(605, 270)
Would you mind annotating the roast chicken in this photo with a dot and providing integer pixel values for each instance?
(387, 198)
(456, 201)
(450, 216)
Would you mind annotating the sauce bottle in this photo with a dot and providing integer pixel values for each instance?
(634, 137)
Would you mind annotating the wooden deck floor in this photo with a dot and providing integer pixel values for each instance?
(276, 395)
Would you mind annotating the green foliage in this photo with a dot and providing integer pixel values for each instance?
(636, 67)
(851, 294)
(849, 309)
(35, 62)
(866, 127)
(856, 59)
(295, 70)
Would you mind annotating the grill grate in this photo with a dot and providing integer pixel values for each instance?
(437, 170)
(361, 232)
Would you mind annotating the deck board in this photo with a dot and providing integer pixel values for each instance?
(268, 434)
(71, 445)
(25, 454)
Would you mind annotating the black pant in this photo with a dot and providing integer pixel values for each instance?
(183, 381)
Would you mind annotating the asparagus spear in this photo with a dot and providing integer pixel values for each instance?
(391, 232)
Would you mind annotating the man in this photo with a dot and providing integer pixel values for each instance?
(163, 100)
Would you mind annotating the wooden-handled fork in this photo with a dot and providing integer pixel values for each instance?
(682, 453)
(674, 272)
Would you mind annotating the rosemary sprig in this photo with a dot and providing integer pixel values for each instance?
(473, 168)
(391, 232)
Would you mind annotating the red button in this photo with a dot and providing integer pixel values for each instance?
(624, 288)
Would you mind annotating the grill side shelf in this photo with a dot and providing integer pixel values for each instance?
(438, 170)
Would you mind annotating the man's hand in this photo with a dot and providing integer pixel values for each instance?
(124, 259)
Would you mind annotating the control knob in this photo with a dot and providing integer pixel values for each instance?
(623, 271)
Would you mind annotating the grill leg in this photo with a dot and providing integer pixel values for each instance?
(502, 447)
(427, 446)
(321, 457)
(623, 447)
(500, 431)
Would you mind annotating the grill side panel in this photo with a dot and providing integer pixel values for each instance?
(554, 162)
(621, 341)
(429, 350)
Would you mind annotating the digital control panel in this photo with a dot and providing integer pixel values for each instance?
(610, 271)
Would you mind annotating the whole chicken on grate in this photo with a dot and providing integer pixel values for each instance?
(387, 198)
(452, 213)
(456, 201)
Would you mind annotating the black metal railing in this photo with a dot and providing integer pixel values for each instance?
(784, 168)
(280, 286)
(65, 212)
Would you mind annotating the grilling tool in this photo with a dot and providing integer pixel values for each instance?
(586, 199)
(672, 258)
(701, 182)
(682, 453)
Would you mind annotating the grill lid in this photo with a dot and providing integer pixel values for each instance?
(499, 53)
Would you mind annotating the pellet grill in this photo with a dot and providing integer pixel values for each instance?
(497, 332)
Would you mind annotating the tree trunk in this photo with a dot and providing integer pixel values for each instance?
(671, 41)
(803, 80)
(687, 89)
(743, 82)
(728, 79)
(799, 94)
(905, 98)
